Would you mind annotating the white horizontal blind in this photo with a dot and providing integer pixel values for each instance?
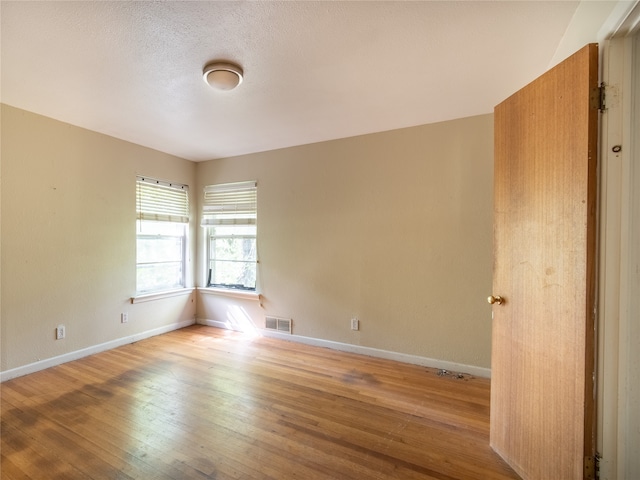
(230, 204)
(161, 201)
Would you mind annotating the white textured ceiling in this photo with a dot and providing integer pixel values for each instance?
(314, 71)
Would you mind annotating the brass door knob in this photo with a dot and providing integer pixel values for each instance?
(497, 299)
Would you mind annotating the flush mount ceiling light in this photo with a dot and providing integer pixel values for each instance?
(222, 76)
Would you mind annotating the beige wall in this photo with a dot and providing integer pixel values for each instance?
(394, 228)
(68, 238)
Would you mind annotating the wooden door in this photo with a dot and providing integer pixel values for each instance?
(542, 390)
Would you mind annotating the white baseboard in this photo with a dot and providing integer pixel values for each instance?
(368, 351)
(67, 357)
(218, 324)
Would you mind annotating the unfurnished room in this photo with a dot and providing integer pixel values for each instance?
(320, 240)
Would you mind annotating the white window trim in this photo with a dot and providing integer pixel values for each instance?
(148, 297)
(208, 266)
(229, 292)
(174, 197)
(220, 205)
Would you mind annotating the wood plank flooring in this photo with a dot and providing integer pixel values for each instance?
(204, 403)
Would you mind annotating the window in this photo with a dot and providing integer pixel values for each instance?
(162, 217)
(230, 212)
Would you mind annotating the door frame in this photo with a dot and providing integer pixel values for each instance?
(619, 254)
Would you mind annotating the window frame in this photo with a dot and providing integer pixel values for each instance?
(227, 206)
(176, 214)
(182, 261)
(210, 237)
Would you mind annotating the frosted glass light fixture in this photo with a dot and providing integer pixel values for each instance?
(222, 76)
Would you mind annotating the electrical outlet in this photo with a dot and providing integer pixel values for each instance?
(60, 332)
(124, 317)
(355, 324)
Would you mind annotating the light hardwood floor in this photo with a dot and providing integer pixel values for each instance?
(204, 403)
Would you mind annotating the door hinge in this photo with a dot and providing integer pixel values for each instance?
(598, 97)
(590, 470)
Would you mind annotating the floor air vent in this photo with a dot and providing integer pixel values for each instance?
(279, 324)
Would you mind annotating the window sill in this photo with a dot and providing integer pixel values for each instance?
(148, 297)
(228, 292)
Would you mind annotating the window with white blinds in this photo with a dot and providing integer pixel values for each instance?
(230, 204)
(161, 201)
(229, 211)
(162, 216)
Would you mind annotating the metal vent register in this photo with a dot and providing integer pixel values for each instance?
(279, 324)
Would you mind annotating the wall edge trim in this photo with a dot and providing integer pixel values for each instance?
(85, 352)
(361, 350)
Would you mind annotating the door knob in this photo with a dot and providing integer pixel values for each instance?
(497, 299)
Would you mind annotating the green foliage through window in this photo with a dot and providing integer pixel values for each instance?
(232, 256)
